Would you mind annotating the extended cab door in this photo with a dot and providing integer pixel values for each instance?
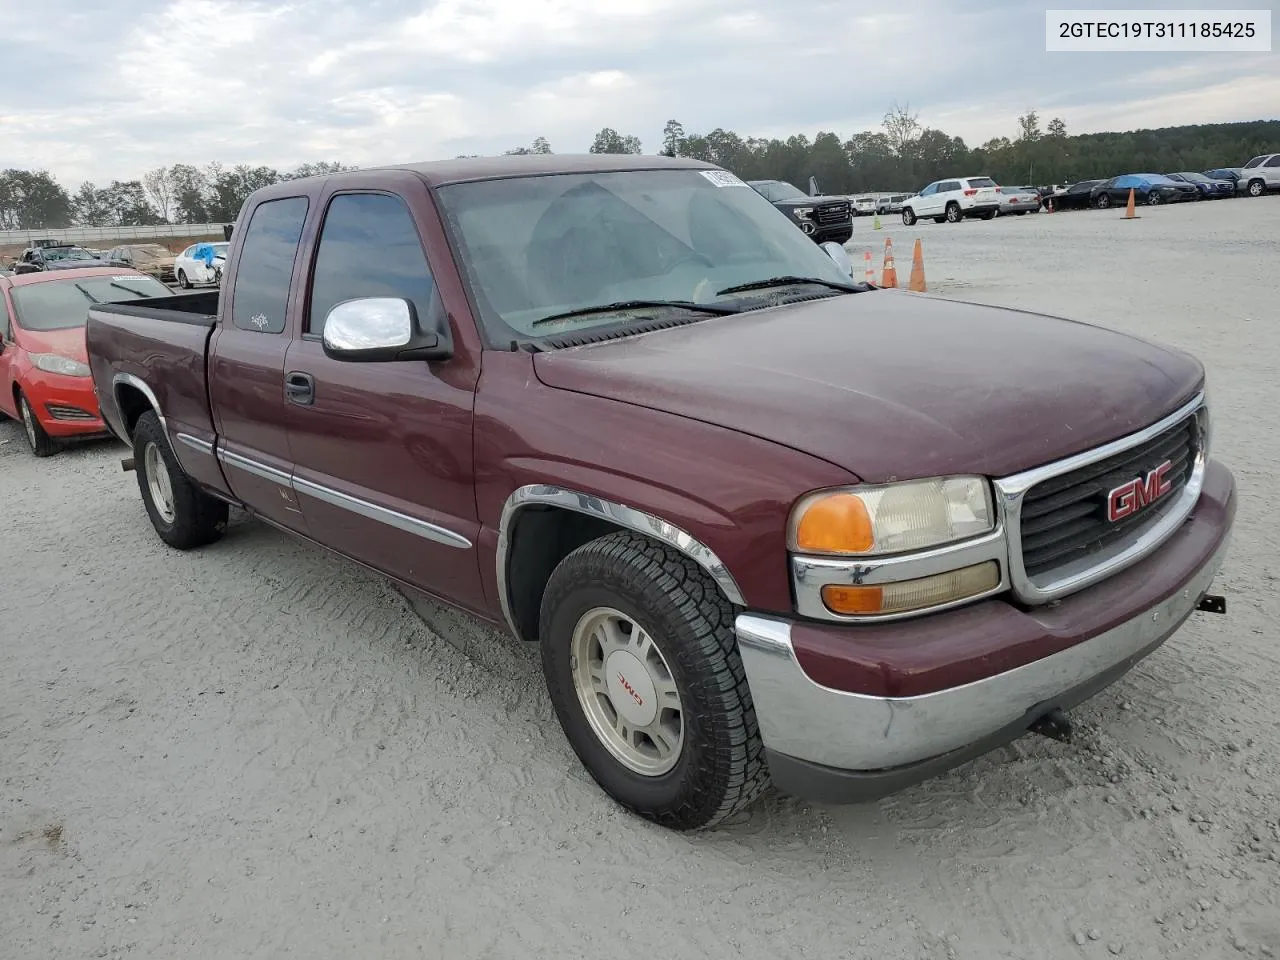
(383, 450)
(246, 363)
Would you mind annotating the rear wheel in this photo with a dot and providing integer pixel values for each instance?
(184, 515)
(1257, 188)
(642, 667)
(1154, 199)
(42, 445)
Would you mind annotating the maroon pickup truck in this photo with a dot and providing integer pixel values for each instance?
(765, 524)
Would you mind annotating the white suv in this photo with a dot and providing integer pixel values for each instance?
(1260, 175)
(953, 200)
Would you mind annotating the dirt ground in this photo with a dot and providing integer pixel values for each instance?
(258, 750)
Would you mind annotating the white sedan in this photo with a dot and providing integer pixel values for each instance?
(193, 265)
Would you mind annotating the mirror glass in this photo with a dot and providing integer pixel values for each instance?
(840, 255)
(371, 323)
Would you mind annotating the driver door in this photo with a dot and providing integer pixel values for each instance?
(927, 205)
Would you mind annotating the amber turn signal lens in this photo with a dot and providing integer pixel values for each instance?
(839, 523)
(907, 595)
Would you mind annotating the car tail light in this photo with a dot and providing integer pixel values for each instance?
(970, 193)
(998, 190)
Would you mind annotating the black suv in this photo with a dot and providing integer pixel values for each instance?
(822, 218)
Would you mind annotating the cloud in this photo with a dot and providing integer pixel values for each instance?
(95, 93)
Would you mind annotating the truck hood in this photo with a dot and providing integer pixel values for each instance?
(810, 202)
(893, 385)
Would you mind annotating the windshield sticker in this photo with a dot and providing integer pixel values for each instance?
(123, 277)
(722, 178)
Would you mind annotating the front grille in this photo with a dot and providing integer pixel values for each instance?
(832, 213)
(1064, 518)
(68, 413)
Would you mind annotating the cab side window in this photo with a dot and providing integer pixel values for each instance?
(369, 247)
(264, 271)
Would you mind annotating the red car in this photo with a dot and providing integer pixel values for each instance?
(44, 369)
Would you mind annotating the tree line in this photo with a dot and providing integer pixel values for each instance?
(902, 156)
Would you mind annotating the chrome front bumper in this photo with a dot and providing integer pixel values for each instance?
(815, 735)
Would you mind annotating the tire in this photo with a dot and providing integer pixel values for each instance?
(1256, 188)
(989, 215)
(1154, 199)
(190, 517)
(41, 444)
(1023, 213)
(183, 282)
(953, 214)
(717, 765)
(908, 217)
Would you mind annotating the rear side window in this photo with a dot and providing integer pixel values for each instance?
(1255, 162)
(265, 267)
(949, 186)
(1273, 162)
(369, 247)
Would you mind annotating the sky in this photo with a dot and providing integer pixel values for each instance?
(112, 88)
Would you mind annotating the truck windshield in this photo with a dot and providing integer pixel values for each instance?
(64, 303)
(534, 247)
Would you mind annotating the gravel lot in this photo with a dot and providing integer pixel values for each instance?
(259, 750)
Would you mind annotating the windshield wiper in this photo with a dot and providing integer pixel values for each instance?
(787, 281)
(716, 308)
(140, 293)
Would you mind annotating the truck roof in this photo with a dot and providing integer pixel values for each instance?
(439, 172)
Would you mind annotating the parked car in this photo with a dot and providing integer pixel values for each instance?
(821, 218)
(1209, 188)
(44, 373)
(953, 201)
(863, 206)
(1075, 197)
(1019, 200)
(1260, 175)
(750, 545)
(200, 263)
(1148, 188)
(891, 203)
(153, 259)
(1224, 173)
(51, 255)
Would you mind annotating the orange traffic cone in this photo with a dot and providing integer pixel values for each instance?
(1129, 213)
(889, 275)
(916, 282)
(870, 270)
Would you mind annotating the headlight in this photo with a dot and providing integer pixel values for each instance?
(891, 518)
(802, 211)
(52, 363)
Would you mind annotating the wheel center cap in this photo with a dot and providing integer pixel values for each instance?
(631, 689)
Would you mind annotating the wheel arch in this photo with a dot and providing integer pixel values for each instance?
(541, 524)
(133, 398)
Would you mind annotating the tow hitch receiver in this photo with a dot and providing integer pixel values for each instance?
(1054, 725)
(1212, 603)
(127, 464)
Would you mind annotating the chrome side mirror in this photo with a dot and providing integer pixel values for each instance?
(840, 255)
(379, 329)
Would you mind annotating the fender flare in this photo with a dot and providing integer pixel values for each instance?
(541, 494)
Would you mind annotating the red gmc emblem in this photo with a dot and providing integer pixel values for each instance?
(631, 690)
(1128, 498)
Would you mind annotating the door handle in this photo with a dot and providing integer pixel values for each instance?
(300, 388)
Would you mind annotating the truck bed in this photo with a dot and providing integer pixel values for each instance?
(143, 355)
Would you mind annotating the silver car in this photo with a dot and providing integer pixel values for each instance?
(1019, 200)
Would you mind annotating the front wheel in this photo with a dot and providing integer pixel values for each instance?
(183, 282)
(953, 213)
(1104, 201)
(41, 444)
(642, 667)
(184, 515)
(908, 217)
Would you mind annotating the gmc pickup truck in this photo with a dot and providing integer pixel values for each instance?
(766, 525)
